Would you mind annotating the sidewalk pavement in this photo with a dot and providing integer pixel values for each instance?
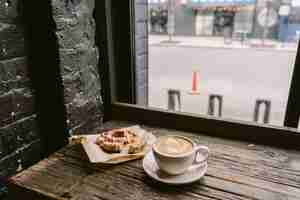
(219, 42)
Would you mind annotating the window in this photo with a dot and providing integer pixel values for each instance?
(228, 60)
(225, 68)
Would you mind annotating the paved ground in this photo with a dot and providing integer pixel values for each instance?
(220, 43)
(241, 75)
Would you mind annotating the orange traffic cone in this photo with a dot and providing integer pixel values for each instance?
(194, 84)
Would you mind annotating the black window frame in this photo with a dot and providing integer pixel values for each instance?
(117, 38)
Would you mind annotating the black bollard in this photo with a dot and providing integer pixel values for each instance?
(174, 98)
(211, 104)
(267, 104)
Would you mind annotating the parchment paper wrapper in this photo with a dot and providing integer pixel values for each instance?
(97, 155)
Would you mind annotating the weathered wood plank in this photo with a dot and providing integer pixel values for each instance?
(238, 165)
(222, 173)
(249, 154)
(21, 192)
(87, 181)
(116, 183)
(236, 171)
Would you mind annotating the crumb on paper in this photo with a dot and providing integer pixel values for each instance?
(77, 139)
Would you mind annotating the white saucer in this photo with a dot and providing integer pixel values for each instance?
(191, 175)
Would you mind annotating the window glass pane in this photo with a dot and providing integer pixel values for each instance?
(232, 59)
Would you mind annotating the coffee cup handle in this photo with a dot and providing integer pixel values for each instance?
(204, 152)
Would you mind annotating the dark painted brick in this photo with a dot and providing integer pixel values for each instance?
(31, 153)
(11, 41)
(90, 80)
(17, 134)
(90, 5)
(70, 60)
(23, 102)
(28, 125)
(1, 147)
(83, 111)
(6, 86)
(84, 83)
(72, 86)
(10, 143)
(83, 79)
(64, 22)
(9, 165)
(69, 8)
(62, 8)
(6, 102)
(71, 37)
(18, 131)
(9, 12)
(78, 62)
(73, 60)
(20, 159)
(93, 56)
(90, 126)
(15, 104)
(13, 69)
(10, 31)
(11, 49)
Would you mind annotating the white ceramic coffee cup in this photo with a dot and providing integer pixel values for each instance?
(178, 164)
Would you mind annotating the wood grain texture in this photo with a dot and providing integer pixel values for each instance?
(237, 171)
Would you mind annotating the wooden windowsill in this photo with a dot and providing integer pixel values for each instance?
(236, 170)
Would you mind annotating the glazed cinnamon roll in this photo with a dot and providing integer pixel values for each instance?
(115, 141)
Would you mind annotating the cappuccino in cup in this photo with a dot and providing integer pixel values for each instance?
(173, 146)
(175, 154)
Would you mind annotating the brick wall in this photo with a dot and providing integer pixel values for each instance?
(19, 141)
(78, 63)
(78, 57)
(141, 45)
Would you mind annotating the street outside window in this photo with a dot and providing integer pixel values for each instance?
(231, 59)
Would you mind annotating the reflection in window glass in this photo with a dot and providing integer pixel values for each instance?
(227, 58)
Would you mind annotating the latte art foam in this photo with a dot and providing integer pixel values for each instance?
(173, 145)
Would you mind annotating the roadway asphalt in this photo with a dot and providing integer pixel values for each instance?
(240, 75)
